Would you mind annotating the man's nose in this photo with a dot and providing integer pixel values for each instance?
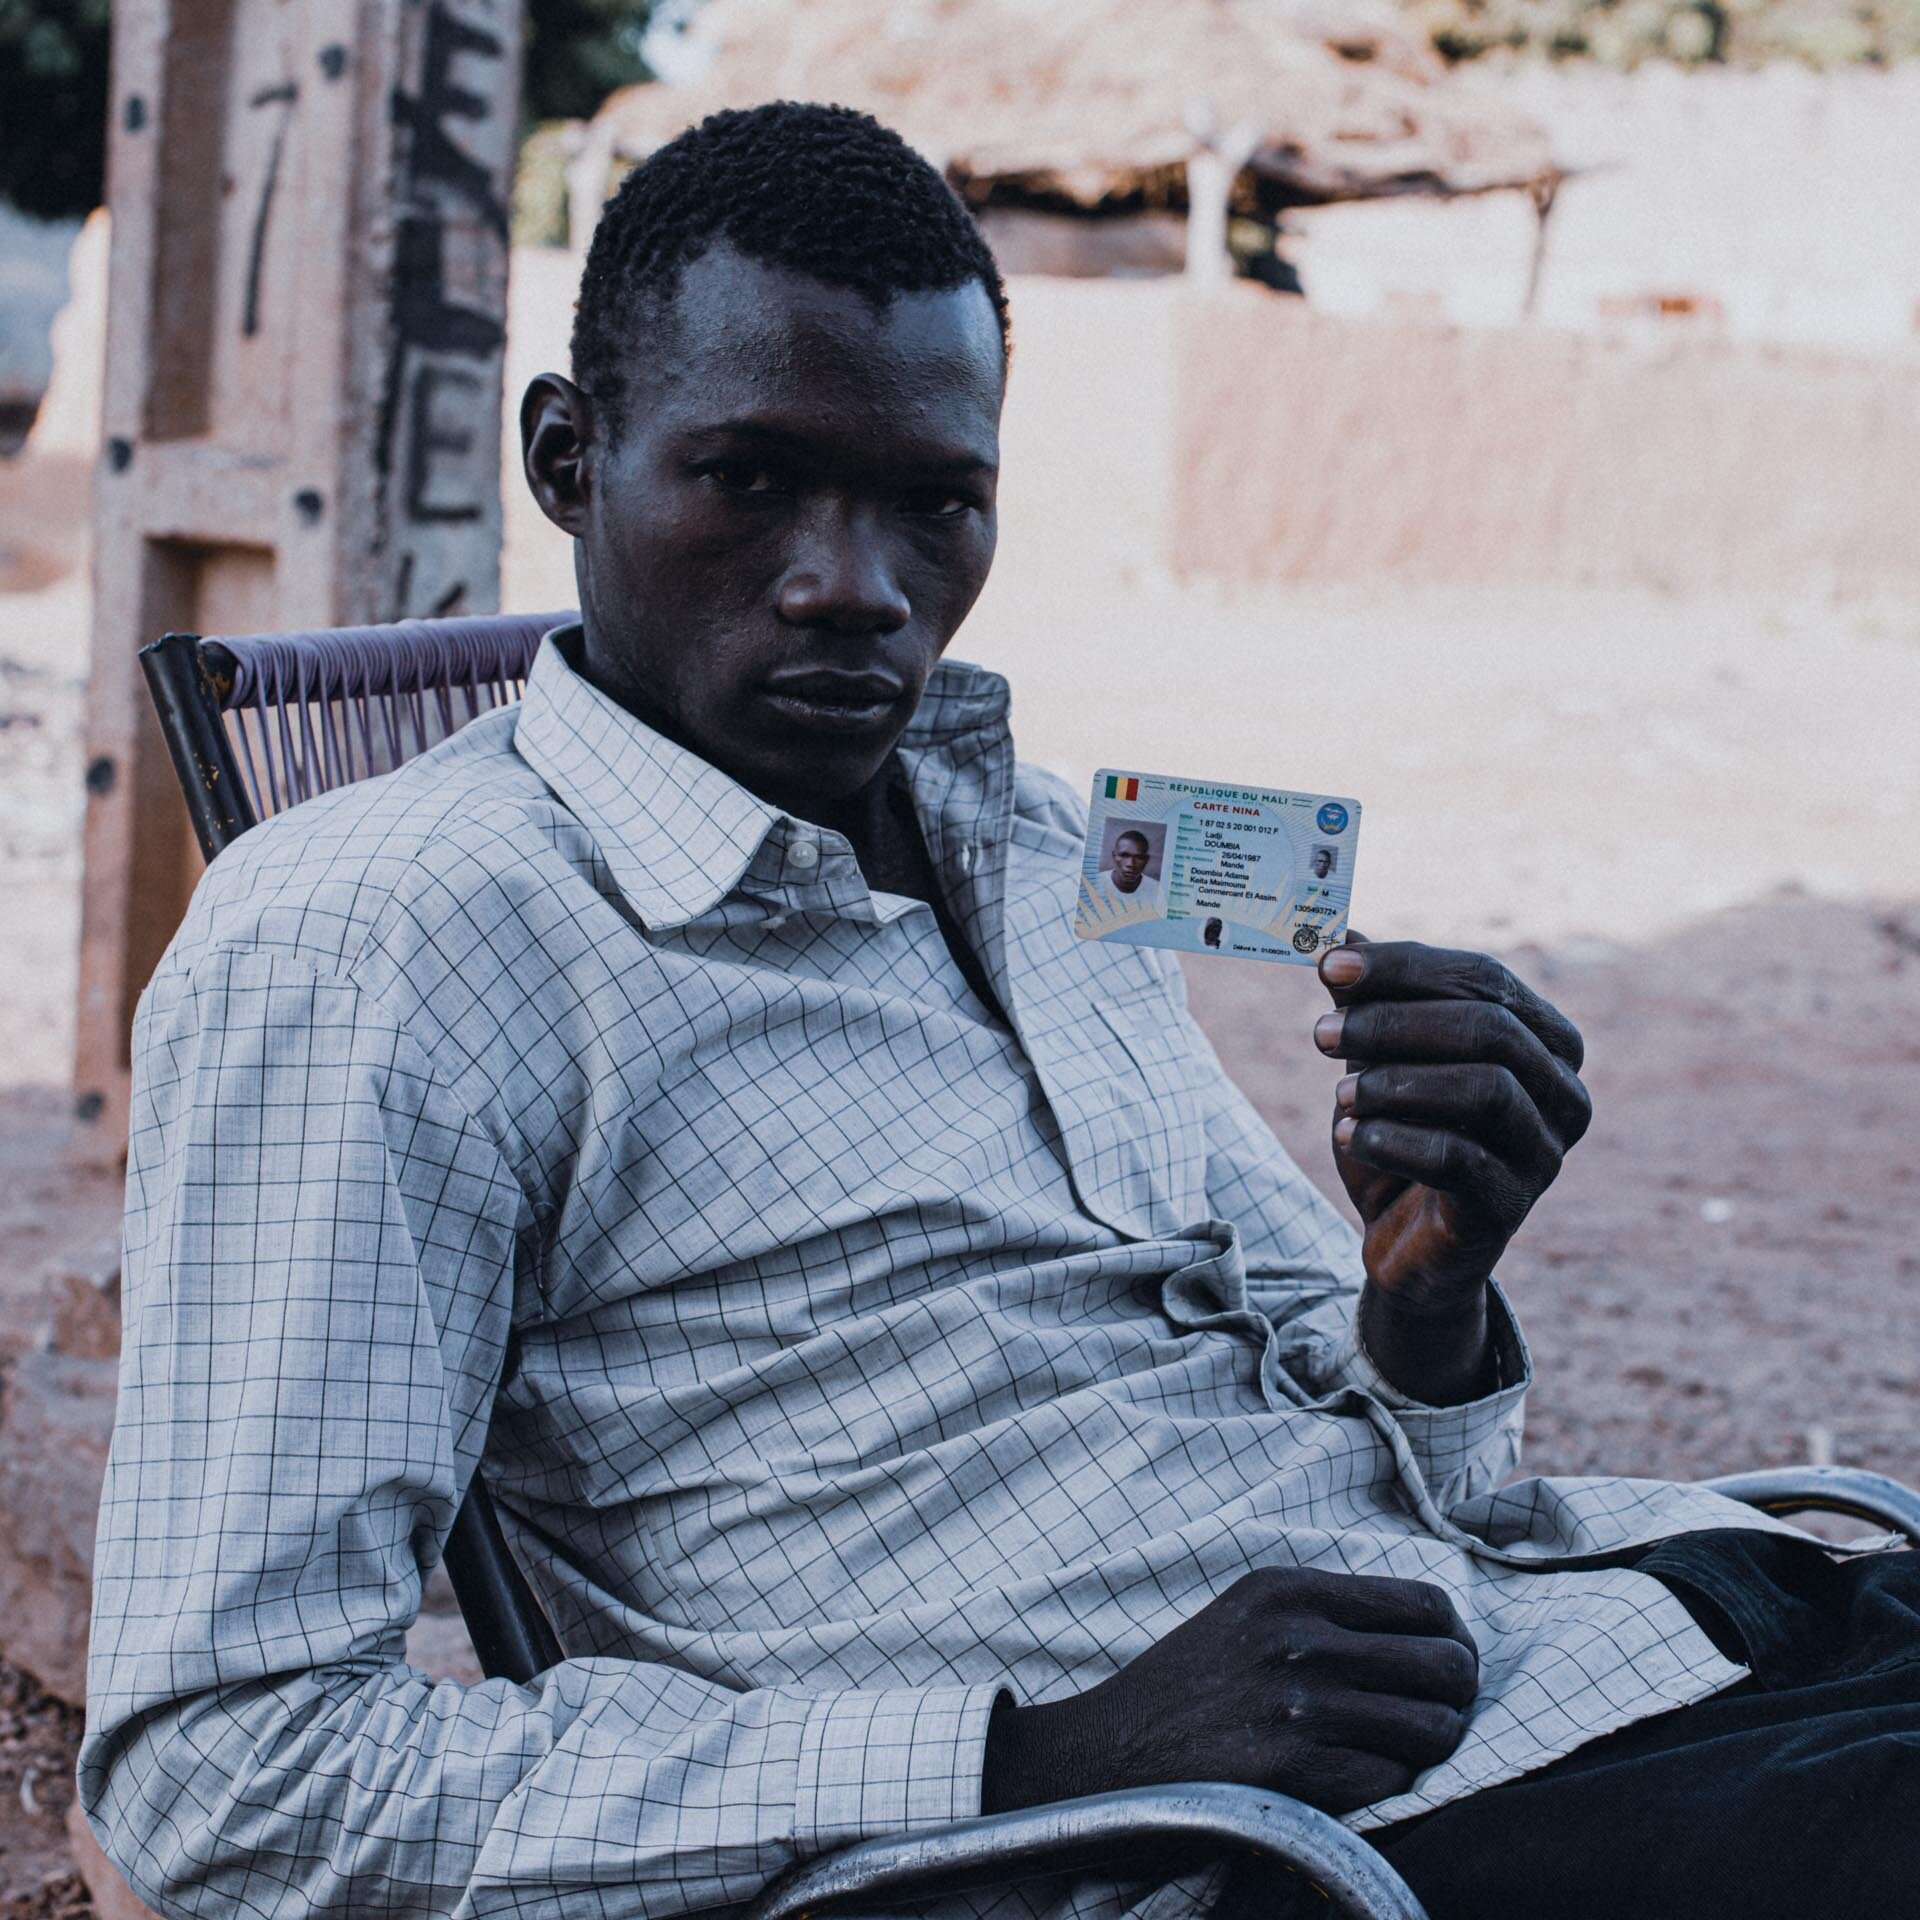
(840, 576)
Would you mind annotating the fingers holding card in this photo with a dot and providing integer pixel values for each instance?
(1204, 867)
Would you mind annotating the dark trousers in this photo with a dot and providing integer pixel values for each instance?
(1796, 1792)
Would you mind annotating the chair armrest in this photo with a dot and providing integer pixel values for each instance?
(1194, 1821)
(1850, 1490)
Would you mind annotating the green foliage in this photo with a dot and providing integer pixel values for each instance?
(53, 105)
(53, 86)
(1623, 33)
(578, 52)
(540, 189)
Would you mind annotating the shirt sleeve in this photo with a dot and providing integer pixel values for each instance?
(1304, 1272)
(324, 1252)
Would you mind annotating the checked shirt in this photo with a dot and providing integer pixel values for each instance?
(839, 1354)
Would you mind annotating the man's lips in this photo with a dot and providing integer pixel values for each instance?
(836, 697)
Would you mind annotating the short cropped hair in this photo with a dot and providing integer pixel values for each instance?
(822, 191)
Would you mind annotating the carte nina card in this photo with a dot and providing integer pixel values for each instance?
(1204, 867)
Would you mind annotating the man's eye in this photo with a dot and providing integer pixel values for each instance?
(937, 503)
(747, 476)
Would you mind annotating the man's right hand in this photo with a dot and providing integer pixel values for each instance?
(1334, 1688)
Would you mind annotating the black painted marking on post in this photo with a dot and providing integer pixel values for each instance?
(309, 504)
(435, 155)
(434, 429)
(441, 191)
(119, 454)
(100, 774)
(285, 95)
(134, 114)
(89, 1107)
(333, 61)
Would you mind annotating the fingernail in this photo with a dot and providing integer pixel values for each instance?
(1343, 1132)
(1326, 1032)
(1348, 1091)
(1342, 967)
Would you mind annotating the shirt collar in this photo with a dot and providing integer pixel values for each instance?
(959, 699)
(676, 833)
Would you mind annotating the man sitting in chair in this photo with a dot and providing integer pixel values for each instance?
(916, 1380)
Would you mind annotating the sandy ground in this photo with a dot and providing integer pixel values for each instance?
(1693, 825)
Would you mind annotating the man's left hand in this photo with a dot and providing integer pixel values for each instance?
(1462, 1097)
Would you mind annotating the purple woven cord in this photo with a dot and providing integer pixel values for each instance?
(310, 698)
(410, 656)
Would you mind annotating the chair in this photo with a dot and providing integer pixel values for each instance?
(261, 723)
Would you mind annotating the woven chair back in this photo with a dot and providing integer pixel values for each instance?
(308, 712)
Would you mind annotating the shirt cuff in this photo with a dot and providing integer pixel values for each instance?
(893, 1760)
(1353, 1365)
(1465, 1449)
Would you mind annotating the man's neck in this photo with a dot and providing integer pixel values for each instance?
(879, 822)
(860, 816)
(883, 828)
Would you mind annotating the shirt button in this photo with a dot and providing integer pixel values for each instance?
(803, 853)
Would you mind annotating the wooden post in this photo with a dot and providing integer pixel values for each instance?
(306, 319)
(1212, 168)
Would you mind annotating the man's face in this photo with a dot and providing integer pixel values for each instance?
(792, 521)
(1322, 863)
(1129, 861)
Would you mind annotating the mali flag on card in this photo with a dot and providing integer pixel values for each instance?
(1122, 786)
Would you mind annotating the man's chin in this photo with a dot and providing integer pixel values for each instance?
(820, 772)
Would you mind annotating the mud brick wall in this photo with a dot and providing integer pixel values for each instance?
(1309, 447)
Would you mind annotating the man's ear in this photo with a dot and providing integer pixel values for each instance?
(556, 432)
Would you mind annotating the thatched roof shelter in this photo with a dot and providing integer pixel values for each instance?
(1101, 104)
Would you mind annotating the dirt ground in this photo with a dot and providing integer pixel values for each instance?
(1727, 1273)
(39, 1738)
(1693, 825)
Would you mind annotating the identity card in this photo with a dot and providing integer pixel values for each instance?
(1207, 868)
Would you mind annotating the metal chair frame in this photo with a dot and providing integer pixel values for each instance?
(375, 686)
